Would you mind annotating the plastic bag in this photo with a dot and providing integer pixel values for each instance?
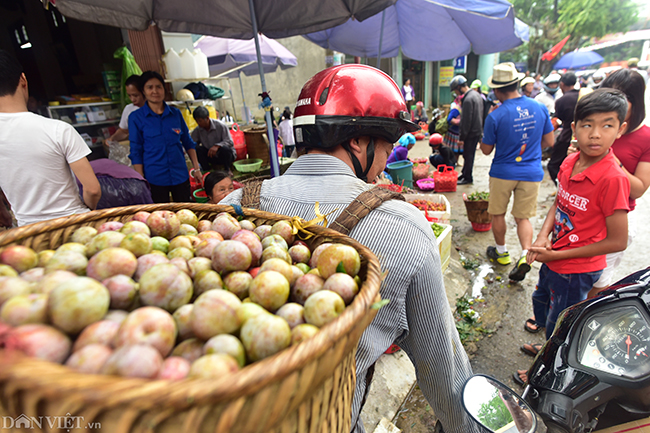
(119, 153)
(129, 67)
(442, 126)
(420, 171)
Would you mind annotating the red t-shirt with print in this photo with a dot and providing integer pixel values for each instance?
(583, 203)
(632, 149)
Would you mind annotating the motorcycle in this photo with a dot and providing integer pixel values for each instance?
(594, 371)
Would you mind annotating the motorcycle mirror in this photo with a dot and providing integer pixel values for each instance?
(496, 407)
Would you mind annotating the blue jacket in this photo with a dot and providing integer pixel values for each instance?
(157, 142)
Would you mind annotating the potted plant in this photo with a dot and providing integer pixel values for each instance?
(476, 205)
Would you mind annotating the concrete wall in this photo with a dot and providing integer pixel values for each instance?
(284, 85)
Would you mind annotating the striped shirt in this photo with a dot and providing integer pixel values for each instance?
(418, 317)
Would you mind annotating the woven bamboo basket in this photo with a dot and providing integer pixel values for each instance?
(257, 144)
(477, 211)
(305, 388)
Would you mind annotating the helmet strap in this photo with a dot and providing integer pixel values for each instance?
(370, 158)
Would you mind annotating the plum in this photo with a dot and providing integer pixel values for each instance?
(8, 271)
(313, 262)
(248, 310)
(253, 243)
(272, 240)
(278, 265)
(138, 243)
(247, 225)
(111, 262)
(44, 257)
(34, 275)
(133, 227)
(51, 280)
(292, 313)
(67, 261)
(339, 258)
(228, 344)
(225, 225)
(152, 326)
(305, 286)
(102, 332)
(159, 243)
(39, 341)
(122, 290)
(206, 247)
(148, 261)
(116, 316)
(284, 229)
(198, 264)
(299, 254)
(207, 280)
(89, 359)
(110, 239)
(186, 216)
(190, 349)
(174, 368)
(238, 282)
(110, 226)
(187, 229)
(19, 257)
(181, 252)
(265, 335)
(344, 285)
(302, 332)
(141, 216)
(83, 235)
(74, 246)
(137, 360)
(215, 312)
(209, 234)
(164, 223)
(78, 302)
(322, 307)
(270, 289)
(24, 309)
(182, 317)
(165, 286)
(181, 241)
(203, 226)
(181, 264)
(231, 256)
(303, 267)
(13, 286)
(213, 366)
(263, 230)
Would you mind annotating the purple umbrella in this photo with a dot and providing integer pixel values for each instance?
(240, 56)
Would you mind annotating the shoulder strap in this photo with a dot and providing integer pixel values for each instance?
(251, 192)
(361, 206)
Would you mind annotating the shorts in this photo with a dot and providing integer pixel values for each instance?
(525, 203)
(613, 260)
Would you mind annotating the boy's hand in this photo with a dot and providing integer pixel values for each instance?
(543, 243)
(543, 254)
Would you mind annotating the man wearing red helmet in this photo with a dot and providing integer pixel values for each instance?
(346, 119)
(441, 154)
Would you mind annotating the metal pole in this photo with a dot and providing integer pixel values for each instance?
(241, 86)
(275, 165)
(381, 38)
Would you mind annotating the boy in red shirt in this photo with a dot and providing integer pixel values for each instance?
(589, 217)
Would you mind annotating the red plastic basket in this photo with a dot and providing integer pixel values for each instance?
(482, 227)
(446, 178)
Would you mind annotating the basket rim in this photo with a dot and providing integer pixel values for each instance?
(116, 391)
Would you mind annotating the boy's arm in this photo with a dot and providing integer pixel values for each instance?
(92, 191)
(615, 241)
(543, 242)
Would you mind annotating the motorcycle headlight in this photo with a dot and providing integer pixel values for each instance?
(616, 341)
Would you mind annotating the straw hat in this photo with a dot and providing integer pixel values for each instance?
(527, 80)
(504, 75)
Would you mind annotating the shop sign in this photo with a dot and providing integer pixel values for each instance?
(446, 74)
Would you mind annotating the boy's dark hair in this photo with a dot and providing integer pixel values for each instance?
(569, 79)
(601, 100)
(200, 113)
(633, 85)
(212, 179)
(10, 72)
(507, 89)
(148, 75)
(135, 81)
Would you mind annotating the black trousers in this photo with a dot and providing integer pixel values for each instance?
(181, 193)
(223, 157)
(469, 152)
(557, 157)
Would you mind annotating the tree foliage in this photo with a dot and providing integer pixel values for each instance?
(551, 20)
(494, 414)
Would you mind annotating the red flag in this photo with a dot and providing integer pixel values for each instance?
(549, 55)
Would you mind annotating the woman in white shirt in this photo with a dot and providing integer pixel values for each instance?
(286, 132)
(134, 92)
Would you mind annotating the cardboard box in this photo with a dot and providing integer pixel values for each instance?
(96, 116)
(436, 216)
(444, 246)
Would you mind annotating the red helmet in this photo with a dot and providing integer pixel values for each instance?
(349, 101)
(435, 139)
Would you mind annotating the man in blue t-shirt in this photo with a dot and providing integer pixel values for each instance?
(519, 128)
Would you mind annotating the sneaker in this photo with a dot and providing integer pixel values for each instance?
(519, 272)
(502, 259)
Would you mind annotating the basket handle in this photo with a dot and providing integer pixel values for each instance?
(443, 168)
(448, 168)
(235, 127)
